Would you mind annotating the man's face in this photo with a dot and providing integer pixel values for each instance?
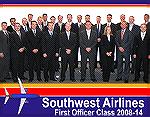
(87, 18)
(45, 17)
(50, 26)
(13, 21)
(30, 17)
(60, 18)
(4, 26)
(109, 18)
(53, 19)
(122, 17)
(143, 28)
(17, 27)
(33, 25)
(131, 20)
(98, 19)
(67, 27)
(24, 21)
(69, 18)
(123, 25)
(88, 25)
(79, 18)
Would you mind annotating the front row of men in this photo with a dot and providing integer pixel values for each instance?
(42, 49)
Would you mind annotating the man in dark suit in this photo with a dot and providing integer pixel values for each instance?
(88, 41)
(30, 18)
(67, 45)
(40, 26)
(109, 23)
(124, 42)
(45, 22)
(17, 49)
(78, 27)
(146, 19)
(122, 19)
(50, 49)
(33, 38)
(141, 53)
(69, 20)
(11, 27)
(135, 29)
(24, 26)
(4, 52)
(98, 27)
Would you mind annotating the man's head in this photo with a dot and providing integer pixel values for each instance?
(53, 19)
(79, 18)
(4, 25)
(50, 26)
(12, 21)
(30, 17)
(98, 19)
(33, 25)
(67, 27)
(123, 25)
(109, 17)
(60, 18)
(69, 18)
(131, 19)
(87, 18)
(24, 21)
(40, 20)
(146, 18)
(17, 27)
(88, 25)
(122, 17)
(143, 27)
(44, 16)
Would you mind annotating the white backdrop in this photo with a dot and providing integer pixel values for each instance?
(19, 12)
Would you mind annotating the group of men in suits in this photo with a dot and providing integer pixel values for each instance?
(37, 45)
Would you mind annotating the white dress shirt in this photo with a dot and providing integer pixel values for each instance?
(143, 35)
(108, 37)
(88, 33)
(108, 23)
(68, 34)
(130, 26)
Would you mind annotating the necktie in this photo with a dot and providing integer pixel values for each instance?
(34, 32)
(19, 34)
(142, 36)
(122, 34)
(6, 34)
(98, 28)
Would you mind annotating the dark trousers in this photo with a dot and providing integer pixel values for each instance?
(57, 66)
(34, 65)
(123, 72)
(49, 67)
(139, 61)
(107, 67)
(133, 63)
(91, 65)
(65, 60)
(18, 67)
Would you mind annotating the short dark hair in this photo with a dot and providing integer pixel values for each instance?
(44, 14)
(49, 23)
(33, 22)
(98, 16)
(69, 14)
(30, 14)
(52, 17)
(109, 15)
(87, 15)
(12, 19)
(146, 15)
(3, 23)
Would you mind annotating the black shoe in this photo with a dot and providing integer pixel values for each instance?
(73, 80)
(146, 81)
(53, 79)
(30, 80)
(126, 81)
(94, 80)
(82, 80)
(24, 78)
(46, 81)
(2, 81)
(118, 79)
(135, 80)
(61, 80)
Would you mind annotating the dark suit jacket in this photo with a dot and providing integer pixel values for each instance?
(148, 27)
(141, 48)
(85, 42)
(38, 28)
(23, 30)
(113, 28)
(16, 43)
(50, 45)
(107, 46)
(127, 42)
(67, 44)
(57, 28)
(99, 34)
(135, 29)
(33, 42)
(10, 29)
(73, 28)
(118, 27)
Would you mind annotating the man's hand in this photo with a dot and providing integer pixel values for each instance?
(148, 56)
(68, 51)
(88, 49)
(35, 51)
(56, 54)
(108, 53)
(98, 39)
(134, 56)
(1, 55)
(121, 49)
(21, 50)
(45, 55)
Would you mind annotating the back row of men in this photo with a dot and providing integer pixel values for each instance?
(42, 42)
